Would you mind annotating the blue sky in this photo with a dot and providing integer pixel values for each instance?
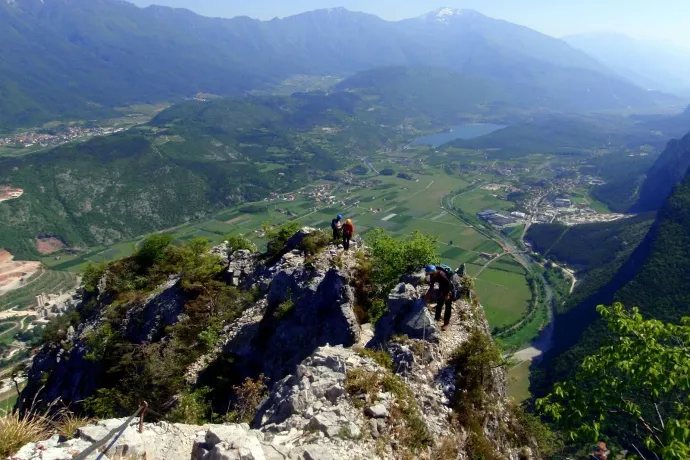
(657, 19)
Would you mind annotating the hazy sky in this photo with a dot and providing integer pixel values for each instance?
(658, 19)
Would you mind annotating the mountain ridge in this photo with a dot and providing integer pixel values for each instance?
(82, 57)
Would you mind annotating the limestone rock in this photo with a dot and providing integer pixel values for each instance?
(377, 411)
(407, 315)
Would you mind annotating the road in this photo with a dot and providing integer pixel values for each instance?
(369, 165)
(544, 341)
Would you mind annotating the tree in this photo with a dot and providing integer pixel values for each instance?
(239, 242)
(640, 381)
(393, 258)
(152, 250)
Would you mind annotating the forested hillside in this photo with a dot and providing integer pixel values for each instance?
(669, 169)
(80, 58)
(655, 278)
(192, 159)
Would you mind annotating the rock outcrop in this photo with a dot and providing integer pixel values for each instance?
(330, 397)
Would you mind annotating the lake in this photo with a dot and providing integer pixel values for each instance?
(458, 132)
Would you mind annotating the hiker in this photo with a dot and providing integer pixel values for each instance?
(348, 231)
(448, 289)
(337, 226)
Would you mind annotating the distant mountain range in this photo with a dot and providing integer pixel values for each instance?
(649, 64)
(80, 58)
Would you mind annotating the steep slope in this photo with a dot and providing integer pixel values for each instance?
(85, 56)
(668, 170)
(337, 390)
(655, 278)
(649, 64)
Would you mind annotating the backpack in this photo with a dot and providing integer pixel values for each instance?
(455, 282)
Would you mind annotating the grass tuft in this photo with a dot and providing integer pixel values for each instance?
(16, 431)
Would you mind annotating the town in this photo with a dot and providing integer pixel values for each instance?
(54, 137)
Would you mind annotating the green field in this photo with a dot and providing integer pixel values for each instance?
(49, 282)
(518, 381)
(504, 296)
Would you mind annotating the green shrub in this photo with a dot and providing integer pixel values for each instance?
(285, 308)
(380, 357)
(192, 408)
(474, 362)
(278, 237)
(238, 243)
(249, 397)
(314, 243)
(151, 251)
(393, 258)
(92, 275)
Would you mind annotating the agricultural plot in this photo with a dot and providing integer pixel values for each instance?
(504, 295)
(478, 200)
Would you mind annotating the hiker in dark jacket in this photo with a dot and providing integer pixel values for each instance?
(348, 231)
(445, 295)
(337, 226)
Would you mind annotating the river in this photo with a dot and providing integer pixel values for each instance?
(469, 131)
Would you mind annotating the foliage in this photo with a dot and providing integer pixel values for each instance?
(68, 423)
(92, 276)
(652, 276)
(387, 172)
(360, 170)
(285, 308)
(152, 250)
(279, 236)
(238, 243)
(314, 243)
(380, 357)
(17, 430)
(638, 383)
(155, 371)
(474, 362)
(393, 258)
(249, 397)
(192, 408)
(405, 420)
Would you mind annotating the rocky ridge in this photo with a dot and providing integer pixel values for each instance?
(330, 396)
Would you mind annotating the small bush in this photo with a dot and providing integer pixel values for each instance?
(380, 357)
(238, 243)
(446, 448)
(68, 423)
(92, 275)
(363, 385)
(474, 362)
(284, 309)
(278, 237)
(192, 408)
(249, 396)
(16, 431)
(314, 243)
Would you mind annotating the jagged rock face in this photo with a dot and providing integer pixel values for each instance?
(64, 372)
(146, 322)
(407, 315)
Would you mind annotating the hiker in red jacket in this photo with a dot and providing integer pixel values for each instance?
(348, 231)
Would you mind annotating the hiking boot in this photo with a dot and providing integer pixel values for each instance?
(445, 327)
